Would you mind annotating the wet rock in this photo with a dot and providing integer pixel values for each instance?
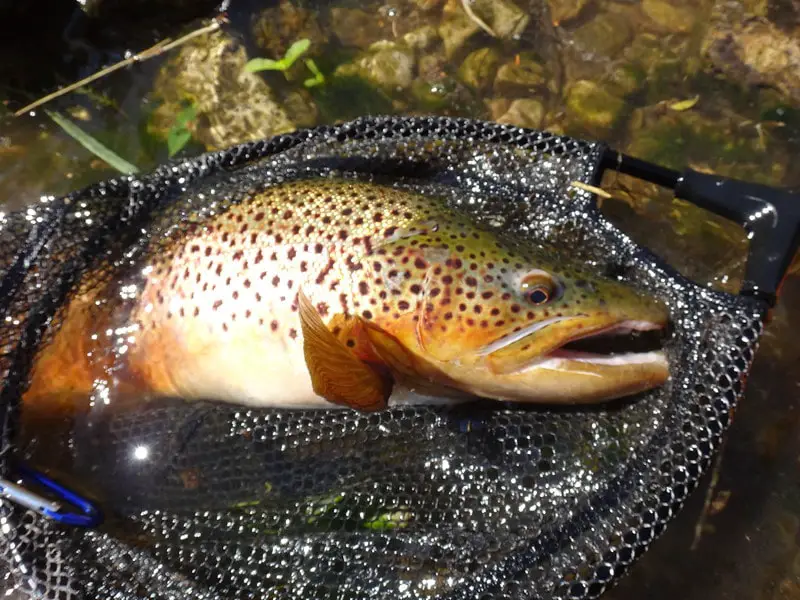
(605, 35)
(755, 52)
(456, 28)
(232, 105)
(562, 11)
(478, 69)
(433, 95)
(388, 66)
(718, 144)
(427, 5)
(672, 16)
(275, 29)
(524, 112)
(519, 76)
(497, 107)
(592, 106)
(422, 38)
(506, 19)
(301, 108)
(356, 27)
(624, 79)
(436, 89)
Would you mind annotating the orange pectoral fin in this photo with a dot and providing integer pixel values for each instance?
(336, 373)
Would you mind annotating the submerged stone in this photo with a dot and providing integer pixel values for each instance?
(592, 106)
(356, 27)
(605, 35)
(524, 112)
(721, 145)
(755, 52)
(232, 105)
(506, 19)
(422, 38)
(562, 11)
(388, 66)
(672, 16)
(519, 76)
(275, 29)
(455, 29)
(478, 69)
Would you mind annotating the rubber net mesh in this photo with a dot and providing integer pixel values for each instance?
(459, 502)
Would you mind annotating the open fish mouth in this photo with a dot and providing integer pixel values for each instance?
(620, 343)
(626, 343)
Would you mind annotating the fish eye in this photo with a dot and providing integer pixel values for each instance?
(540, 288)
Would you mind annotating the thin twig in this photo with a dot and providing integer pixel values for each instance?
(155, 50)
(591, 188)
(476, 19)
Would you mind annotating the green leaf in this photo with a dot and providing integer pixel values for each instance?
(255, 65)
(318, 78)
(185, 116)
(684, 104)
(295, 51)
(177, 138)
(91, 144)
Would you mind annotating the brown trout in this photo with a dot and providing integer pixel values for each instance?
(327, 292)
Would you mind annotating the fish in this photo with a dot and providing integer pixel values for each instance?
(325, 293)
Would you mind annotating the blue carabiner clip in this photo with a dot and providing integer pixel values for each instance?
(87, 515)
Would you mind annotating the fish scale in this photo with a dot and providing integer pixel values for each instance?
(403, 281)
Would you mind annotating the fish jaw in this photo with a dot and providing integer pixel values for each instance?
(565, 379)
(536, 364)
(559, 376)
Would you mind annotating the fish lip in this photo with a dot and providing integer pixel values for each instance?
(621, 327)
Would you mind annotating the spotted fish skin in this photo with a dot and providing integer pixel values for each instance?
(406, 283)
(227, 296)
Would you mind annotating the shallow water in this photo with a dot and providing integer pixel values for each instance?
(624, 72)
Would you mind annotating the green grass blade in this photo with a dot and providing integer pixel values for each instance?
(92, 145)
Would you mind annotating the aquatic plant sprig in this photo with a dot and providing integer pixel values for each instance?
(180, 134)
(295, 51)
(92, 145)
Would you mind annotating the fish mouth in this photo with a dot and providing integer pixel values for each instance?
(620, 343)
(625, 343)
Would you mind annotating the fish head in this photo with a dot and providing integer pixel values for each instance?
(505, 319)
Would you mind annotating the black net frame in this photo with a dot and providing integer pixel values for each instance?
(458, 502)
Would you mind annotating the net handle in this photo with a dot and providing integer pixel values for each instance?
(770, 216)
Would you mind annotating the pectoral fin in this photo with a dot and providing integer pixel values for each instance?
(336, 373)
